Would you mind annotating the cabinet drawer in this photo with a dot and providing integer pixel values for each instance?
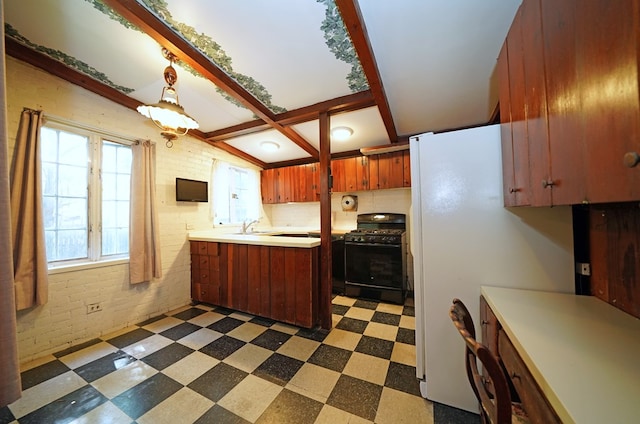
(200, 292)
(203, 262)
(213, 248)
(533, 401)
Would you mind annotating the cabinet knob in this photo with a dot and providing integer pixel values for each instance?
(514, 190)
(631, 159)
(548, 183)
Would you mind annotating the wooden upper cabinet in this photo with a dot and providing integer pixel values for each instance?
(268, 184)
(386, 170)
(534, 86)
(406, 168)
(569, 81)
(338, 172)
(519, 139)
(563, 88)
(312, 176)
(301, 183)
(607, 67)
(508, 172)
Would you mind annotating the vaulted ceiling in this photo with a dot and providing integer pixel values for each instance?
(255, 70)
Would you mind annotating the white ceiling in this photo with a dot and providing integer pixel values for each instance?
(436, 60)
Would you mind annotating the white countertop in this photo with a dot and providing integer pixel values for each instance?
(583, 352)
(265, 238)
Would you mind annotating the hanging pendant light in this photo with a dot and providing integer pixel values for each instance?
(168, 114)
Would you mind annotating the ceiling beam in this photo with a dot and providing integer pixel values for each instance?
(352, 18)
(157, 29)
(54, 67)
(348, 103)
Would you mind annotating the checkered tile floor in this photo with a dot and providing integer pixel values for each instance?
(207, 364)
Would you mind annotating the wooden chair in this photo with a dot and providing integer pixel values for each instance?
(496, 405)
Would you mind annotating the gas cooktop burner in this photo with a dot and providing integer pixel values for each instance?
(381, 231)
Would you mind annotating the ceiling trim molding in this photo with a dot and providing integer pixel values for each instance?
(154, 27)
(23, 53)
(354, 23)
(348, 103)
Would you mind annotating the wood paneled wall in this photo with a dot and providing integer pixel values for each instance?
(614, 233)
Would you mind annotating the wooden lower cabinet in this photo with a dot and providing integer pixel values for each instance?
(280, 283)
(533, 400)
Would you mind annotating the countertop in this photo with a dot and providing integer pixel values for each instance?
(266, 237)
(583, 352)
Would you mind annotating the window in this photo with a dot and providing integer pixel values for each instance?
(85, 185)
(235, 194)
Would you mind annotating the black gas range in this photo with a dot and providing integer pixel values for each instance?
(375, 257)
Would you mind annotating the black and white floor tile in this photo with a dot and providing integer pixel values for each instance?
(203, 364)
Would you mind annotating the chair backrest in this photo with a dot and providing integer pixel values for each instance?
(496, 406)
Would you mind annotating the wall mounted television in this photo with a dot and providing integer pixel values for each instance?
(191, 190)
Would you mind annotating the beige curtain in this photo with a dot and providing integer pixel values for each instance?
(144, 241)
(29, 250)
(10, 385)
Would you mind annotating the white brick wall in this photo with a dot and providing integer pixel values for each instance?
(63, 321)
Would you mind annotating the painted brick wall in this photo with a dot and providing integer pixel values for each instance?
(63, 321)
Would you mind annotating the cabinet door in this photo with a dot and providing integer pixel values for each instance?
(564, 106)
(406, 168)
(489, 327)
(350, 174)
(510, 190)
(396, 170)
(385, 163)
(312, 172)
(607, 37)
(284, 186)
(268, 185)
(362, 173)
(339, 178)
(536, 103)
(520, 143)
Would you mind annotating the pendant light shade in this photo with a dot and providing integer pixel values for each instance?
(168, 114)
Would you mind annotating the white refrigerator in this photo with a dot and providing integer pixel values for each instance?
(462, 237)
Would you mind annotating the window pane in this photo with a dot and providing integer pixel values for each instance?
(72, 214)
(123, 240)
(115, 200)
(122, 214)
(108, 158)
(123, 187)
(124, 160)
(73, 149)
(108, 186)
(50, 212)
(72, 244)
(108, 214)
(108, 241)
(49, 145)
(65, 168)
(49, 179)
(72, 181)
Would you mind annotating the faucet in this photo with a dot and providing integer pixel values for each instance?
(245, 225)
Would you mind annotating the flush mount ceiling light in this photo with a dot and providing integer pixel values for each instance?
(269, 146)
(168, 114)
(341, 133)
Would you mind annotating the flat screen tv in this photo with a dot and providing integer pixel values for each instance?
(191, 190)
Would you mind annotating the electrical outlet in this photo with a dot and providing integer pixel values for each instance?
(190, 226)
(94, 307)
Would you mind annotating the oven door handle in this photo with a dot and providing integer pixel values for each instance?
(348, 243)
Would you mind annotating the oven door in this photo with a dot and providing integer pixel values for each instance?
(376, 265)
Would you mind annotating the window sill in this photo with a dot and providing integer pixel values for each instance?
(60, 269)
